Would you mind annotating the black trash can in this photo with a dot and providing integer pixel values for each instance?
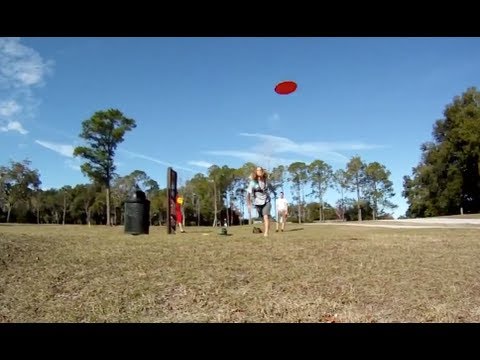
(137, 213)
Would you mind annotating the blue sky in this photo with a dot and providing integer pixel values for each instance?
(199, 101)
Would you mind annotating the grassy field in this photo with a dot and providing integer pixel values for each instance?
(465, 216)
(308, 274)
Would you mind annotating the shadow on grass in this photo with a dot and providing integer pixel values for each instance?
(197, 232)
(295, 229)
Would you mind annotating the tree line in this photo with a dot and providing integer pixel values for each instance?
(216, 196)
(209, 198)
(446, 181)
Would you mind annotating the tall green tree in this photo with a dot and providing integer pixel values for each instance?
(102, 133)
(18, 182)
(222, 179)
(66, 194)
(356, 179)
(84, 196)
(277, 180)
(378, 187)
(244, 175)
(278, 177)
(158, 205)
(320, 175)
(37, 203)
(202, 188)
(298, 176)
(447, 179)
(230, 176)
(341, 184)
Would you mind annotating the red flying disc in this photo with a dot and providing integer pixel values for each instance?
(286, 87)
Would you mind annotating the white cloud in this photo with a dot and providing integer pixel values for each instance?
(14, 126)
(9, 108)
(255, 157)
(21, 69)
(73, 164)
(146, 157)
(327, 150)
(21, 66)
(62, 149)
(266, 152)
(200, 163)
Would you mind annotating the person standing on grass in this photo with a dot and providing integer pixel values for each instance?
(178, 211)
(282, 211)
(258, 193)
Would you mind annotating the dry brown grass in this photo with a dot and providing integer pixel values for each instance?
(464, 216)
(316, 274)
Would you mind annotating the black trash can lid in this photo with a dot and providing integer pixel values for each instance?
(138, 195)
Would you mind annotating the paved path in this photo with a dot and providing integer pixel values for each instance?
(427, 223)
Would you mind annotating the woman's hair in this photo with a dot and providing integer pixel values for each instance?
(254, 175)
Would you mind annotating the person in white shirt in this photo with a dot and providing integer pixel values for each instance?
(282, 211)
